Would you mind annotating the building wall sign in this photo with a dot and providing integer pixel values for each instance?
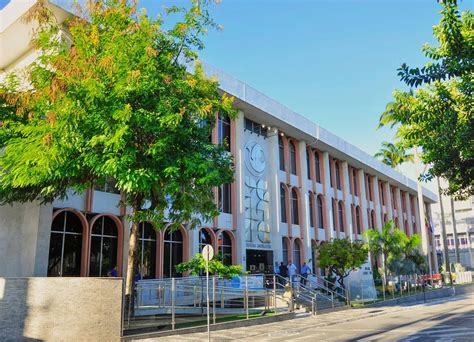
(257, 229)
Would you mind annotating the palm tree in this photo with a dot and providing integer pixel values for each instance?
(386, 244)
(393, 154)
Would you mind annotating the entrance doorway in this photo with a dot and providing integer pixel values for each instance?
(259, 261)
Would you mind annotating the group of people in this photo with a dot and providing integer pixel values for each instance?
(289, 271)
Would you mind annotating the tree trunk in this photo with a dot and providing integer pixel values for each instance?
(455, 233)
(132, 249)
(443, 230)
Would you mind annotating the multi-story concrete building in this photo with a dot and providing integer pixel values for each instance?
(296, 184)
(464, 219)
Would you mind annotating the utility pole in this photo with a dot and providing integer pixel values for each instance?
(455, 233)
(443, 232)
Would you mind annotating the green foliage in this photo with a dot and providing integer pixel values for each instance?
(393, 154)
(439, 117)
(400, 252)
(341, 256)
(110, 100)
(197, 266)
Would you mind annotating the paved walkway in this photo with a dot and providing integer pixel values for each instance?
(448, 319)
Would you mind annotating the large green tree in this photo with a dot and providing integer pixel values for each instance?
(109, 97)
(341, 257)
(438, 116)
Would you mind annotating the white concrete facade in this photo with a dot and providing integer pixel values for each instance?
(255, 221)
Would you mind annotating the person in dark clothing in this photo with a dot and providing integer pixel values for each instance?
(283, 273)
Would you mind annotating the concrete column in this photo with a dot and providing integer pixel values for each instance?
(274, 189)
(305, 226)
(363, 201)
(239, 192)
(347, 201)
(377, 204)
(421, 229)
(328, 195)
(388, 202)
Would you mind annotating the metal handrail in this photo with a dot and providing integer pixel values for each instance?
(335, 285)
(324, 288)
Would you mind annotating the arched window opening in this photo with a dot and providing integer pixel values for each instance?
(372, 218)
(358, 219)
(340, 211)
(284, 245)
(172, 253)
(283, 203)
(397, 222)
(294, 207)
(414, 228)
(354, 181)
(406, 227)
(104, 242)
(382, 193)
(385, 218)
(320, 212)
(65, 247)
(308, 164)
(146, 250)
(369, 185)
(317, 167)
(224, 247)
(204, 239)
(338, 175)
(297, 255)
(311, 209)
(281, 150)
(334, 222)
(292, 158)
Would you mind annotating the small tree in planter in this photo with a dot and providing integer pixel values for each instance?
(197, 265)
(341, 256)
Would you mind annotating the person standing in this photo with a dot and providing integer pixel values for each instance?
(305, 270)
(291, 271)
(283, 274)
(276, 269)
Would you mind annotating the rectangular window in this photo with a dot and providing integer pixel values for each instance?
(225, 198)
(223, 132)
(256, 128)
(107, 186)
(281, 151)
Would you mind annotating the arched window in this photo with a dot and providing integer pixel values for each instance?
(65, 247)
(292, 158)
(204, 239)
(382, 194)
(146, 250)
(297, 255)
(385, 218)
(397, 222)
(369, 185)
(283, 203)
(308, 164)
(372, 218)
(414, 228)
(354, 181)
(338, 175)
(334, 222)
(311, 209)
(358, 221)
(284, 249)
(319, 203)
(317, 167)
(104, 242)
(406, 227)
(340, 211)
(224, 246)
(281, 150)
(172, 253)
(294, 207)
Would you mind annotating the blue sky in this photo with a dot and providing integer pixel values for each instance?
(333, 61)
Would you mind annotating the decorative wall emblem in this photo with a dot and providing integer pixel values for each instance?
(255, 158)
(257, 229)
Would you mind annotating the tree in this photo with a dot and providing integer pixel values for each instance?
(411, 261)
(197, 265)
(386, 244)
(341, 256)
(438, 118)
(393, 154)
(111, 98)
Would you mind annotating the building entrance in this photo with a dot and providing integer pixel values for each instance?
(259, 261)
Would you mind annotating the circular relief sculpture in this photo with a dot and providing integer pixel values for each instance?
(255, 158)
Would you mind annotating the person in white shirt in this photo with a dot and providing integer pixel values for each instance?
(291, 271)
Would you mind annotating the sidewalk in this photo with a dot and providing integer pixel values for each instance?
(301, 323)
